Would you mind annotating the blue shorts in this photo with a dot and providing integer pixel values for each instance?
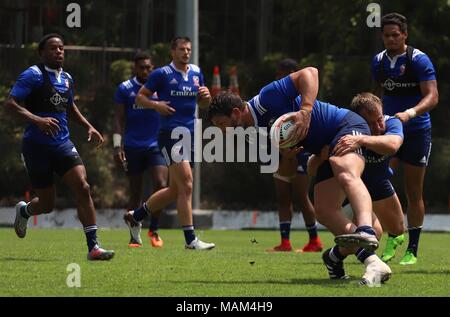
(42, 161)
(352, 124)
(139, 159)
(416, 148)
(176, 150)
(380, 189)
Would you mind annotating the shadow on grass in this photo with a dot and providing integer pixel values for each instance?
(12, 259)
(296, 281)
(427, 272)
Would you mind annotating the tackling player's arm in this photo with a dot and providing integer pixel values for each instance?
(93, 134)
(48, 125)
(144, 100)
(429, 101)
(306, 81)
(381, 144)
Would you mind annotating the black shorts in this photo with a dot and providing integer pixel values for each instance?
(140, 159)
(42, 161)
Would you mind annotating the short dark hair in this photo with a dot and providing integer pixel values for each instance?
(47, 37)
(396, 19)
(173, 44)
(288, 65)
(365, 101)
(141, 56)
(223, 104)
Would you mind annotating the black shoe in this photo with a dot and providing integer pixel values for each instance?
(335, 270)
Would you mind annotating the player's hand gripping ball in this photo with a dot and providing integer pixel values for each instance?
(280, 132)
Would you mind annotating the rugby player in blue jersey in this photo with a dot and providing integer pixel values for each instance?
(317, 124)
(386, 139)
(140, 149)
(407, 79)
(179, 86)
(291, 185)
(43, 97)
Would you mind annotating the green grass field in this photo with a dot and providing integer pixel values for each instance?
(36, 266)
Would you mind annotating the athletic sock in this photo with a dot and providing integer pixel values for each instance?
(91, 236)
(153, 223)
(312, 230)
(414, 235)
(366, 229)
(335, 255)
(140, 213)
(24, 211)
(189, 234)
(362, 254)
(285, 230)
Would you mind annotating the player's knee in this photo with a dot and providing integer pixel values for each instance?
(186, 189)
(346, 179)
(414, 197)
(85, 188)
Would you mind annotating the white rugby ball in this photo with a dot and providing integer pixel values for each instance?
(280, 131)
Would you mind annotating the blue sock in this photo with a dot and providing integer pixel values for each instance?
(140, 213)
(285, 229)
(91, 236)
(153, 223)
(335, 255)
(312, 230)
(414, 234)
(189, 234)
(24, 211)
(366, 229)
(362, 254)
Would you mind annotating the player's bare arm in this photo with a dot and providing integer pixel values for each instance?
(48, 125)
(429, 101)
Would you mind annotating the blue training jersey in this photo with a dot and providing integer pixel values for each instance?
(32, 79)
(280, 97)
(377, 165)
(181, 90)
(423, 70)
(141, 125)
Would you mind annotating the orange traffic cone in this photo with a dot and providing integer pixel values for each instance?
(234, 85)
(216, 87)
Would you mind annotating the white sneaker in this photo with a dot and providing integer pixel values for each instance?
(199, 245)
(377, 272)
(20, 223)
(134, 226)
(357, 239)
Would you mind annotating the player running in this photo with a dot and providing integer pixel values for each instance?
(47, 95)
(179, 86)
(140, 149)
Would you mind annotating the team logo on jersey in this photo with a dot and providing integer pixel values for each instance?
(132, 94)
(173, 82)
(196, 80)
(58, 102)
(402, 69)
(390, 85)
